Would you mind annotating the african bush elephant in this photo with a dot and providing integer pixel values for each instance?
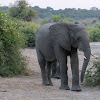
(56, 41)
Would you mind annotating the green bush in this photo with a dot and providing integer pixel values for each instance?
(97, 25)
(61, 18)
(56, 18)
(84, 23)
(92, 76)
(28, 29)
(11, 60)
(44, 21)
(21, 10)
(94, 34)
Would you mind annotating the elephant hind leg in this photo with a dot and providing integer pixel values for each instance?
(49, 64)
(54, 69)
(58, 73)
(42, 63)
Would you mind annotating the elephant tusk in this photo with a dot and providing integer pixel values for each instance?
(85, 57)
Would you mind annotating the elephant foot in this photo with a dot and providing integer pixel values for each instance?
(63, 87)
(76, 88)
(56, 76)
(47, 83)
(50, 83)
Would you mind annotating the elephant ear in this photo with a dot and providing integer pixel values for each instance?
(60, 34)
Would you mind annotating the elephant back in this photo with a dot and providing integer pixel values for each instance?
(44, 43)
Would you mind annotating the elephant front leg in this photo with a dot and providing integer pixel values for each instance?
(64, 77)
(63, 70)
(61, 55)
(75, 70)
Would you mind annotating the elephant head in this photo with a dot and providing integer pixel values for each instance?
(70, 35)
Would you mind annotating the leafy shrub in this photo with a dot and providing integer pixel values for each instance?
(21, 10)
(92, 76)
(28, 29)
(44, 21)
(61, 18)
(11, 60)
(94, 34)
(56, 18)
(84, 23)
(97, 25)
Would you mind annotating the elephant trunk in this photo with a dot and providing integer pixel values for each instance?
(87, 53)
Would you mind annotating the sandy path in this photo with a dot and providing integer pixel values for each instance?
(30, 87)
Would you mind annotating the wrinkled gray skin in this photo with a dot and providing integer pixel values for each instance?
(56, 41)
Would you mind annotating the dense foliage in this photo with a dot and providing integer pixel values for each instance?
(68, 12)
(11, 60)
(28, 29)
(56, 18)
(92, 76)
(94, 33)
(61, 18)
(3, 9)
(21, 10)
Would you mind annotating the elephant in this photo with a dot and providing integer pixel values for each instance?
(55, 70)
(54, 42)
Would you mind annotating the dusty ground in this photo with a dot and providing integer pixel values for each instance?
(30, 87)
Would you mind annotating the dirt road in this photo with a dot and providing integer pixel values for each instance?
(30, 87)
